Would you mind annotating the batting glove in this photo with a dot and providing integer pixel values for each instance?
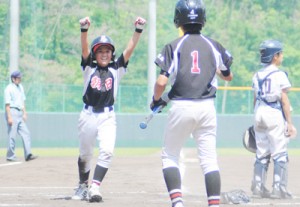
(84, 24)
(139, 24)
(155, 104)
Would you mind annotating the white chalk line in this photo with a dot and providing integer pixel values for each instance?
(36, 187)
(10, 164)
(14, 204)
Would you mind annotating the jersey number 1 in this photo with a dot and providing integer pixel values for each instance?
(195, 68)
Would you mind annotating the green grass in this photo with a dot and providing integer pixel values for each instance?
(70, 152)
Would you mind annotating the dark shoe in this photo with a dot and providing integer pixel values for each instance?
(31, 157)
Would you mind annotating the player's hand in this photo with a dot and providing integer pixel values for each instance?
(290, 131)
(25, 116)
(10, 121)
(85, 24)
(139, 24)
(155, 104)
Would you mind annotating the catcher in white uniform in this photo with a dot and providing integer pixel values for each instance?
(273, 124)
(102, 74)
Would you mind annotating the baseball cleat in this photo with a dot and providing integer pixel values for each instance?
(81, 192)
(178, 204)
(260, 192)
(280, 193)
(31, 157)
(94, 194)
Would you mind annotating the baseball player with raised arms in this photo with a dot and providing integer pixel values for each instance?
(272, 122)
(191, 63)
(102, 74)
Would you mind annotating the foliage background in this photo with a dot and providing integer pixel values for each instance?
(50, 36)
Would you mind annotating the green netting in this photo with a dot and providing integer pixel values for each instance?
(131, 99)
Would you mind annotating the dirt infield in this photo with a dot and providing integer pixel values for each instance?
(132, 181)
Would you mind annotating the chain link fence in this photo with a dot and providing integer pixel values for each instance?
(131, 99)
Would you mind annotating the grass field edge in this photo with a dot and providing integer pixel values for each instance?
(141, 151)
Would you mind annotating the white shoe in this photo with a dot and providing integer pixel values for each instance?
(94, 194)
(81, 192)
(179, 204)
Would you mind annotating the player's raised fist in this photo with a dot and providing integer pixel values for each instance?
(85, 23)
(139, 23)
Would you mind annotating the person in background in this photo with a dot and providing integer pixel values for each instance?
(16, 116)
(272, 122)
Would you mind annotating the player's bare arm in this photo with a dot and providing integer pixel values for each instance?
(24, 113)
(139, 26)
(9, 118)
(84, 26)
(160, 86)
(286, 107)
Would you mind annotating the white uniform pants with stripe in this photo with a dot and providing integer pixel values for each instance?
(100, 126)
(196, 118)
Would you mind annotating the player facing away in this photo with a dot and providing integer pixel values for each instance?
(272, 121)
(191, 63)
(101, 74)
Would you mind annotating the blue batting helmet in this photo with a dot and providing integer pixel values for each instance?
(268, 49)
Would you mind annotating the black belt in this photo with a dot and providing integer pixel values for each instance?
(15, 108)
(99, 110)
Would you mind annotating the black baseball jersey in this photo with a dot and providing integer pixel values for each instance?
(101, 83)
(192, 61)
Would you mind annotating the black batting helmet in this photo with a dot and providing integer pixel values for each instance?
(268, 49)
(189, 12)
(101, 41)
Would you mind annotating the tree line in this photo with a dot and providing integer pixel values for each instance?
(50, 49)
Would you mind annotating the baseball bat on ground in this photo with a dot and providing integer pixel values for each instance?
(144, 124)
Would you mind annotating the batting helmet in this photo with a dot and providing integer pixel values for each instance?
(16, 74)
(268, 49)
(249, 140)
(101, 41)
(189, 12)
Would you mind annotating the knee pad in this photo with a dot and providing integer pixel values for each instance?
(281, 157)
(281, 170)
(261, 166)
